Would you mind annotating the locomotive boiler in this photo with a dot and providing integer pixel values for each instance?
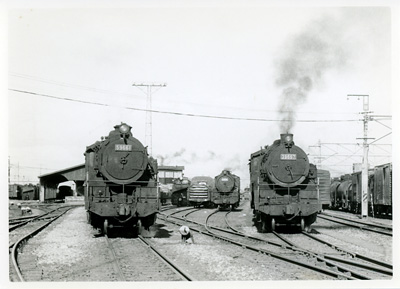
(283, 186)
(121, 182)
(227, 190)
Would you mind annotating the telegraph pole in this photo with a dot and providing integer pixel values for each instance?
(148, 129)
(364, 173)
(319, 157)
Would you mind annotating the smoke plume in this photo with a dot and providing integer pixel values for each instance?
(304, 60)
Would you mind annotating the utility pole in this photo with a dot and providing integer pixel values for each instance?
(148, 129)
(364, 173)
(319, 157)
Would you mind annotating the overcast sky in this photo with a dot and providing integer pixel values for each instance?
(71, 70)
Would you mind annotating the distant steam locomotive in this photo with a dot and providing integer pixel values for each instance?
(121, 182)
(227, 190)
(179, 192)
(283, 186)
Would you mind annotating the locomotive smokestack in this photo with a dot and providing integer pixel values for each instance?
(287, 137)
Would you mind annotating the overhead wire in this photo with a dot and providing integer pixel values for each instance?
(180, 113)
(29, 77)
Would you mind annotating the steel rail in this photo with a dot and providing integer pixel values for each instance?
(12, 228)
(25, 220)
(269, 253)
(349, 262)
(116, 264)
(183, 210)
(356, 255)
(292, 246)
(25, 238)
(389, 228)
(174, 267)
(356, 226)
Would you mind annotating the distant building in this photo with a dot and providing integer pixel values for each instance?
(167, 173)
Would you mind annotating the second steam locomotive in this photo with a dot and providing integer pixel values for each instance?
(121, 182)
(227, 190)
(283, 186)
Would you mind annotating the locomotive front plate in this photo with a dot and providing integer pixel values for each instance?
(123, 147)
(289, 157)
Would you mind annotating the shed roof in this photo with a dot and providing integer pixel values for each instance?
(171, 168)
(78, 167)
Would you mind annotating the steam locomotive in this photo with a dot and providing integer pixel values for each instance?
(179, 192)
(121, 182)
(227, 190)
(283, 186)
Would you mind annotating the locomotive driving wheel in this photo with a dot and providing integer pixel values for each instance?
(273, 224)
(263, 225)
(105, 227)
(302, 224)
(89, 217)
(138, 228)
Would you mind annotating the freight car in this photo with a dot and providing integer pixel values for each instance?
(346, 192)
(283, 186)
(324, 184)
(199, 191)
(121, 182)
(227, 190)
(381, 189)
(179, 192)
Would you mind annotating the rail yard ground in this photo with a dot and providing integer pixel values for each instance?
(69, 249)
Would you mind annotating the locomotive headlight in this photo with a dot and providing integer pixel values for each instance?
(288, 138)
(124, 128)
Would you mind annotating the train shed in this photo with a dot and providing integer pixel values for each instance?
(49, 182)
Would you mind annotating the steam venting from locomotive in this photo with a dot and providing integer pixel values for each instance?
(303, 63)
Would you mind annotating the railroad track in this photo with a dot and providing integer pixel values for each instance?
(359, 266)
(380, 229)
(321, 259)
(243, 243)
(138, 260)
(17, 240)
(387, 269)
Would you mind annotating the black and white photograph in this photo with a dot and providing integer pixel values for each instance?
(227, 144)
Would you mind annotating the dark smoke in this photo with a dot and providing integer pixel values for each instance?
(167, 159)
(305, 59)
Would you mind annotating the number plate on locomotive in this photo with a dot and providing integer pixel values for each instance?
(123, 148)
(289, 157)
(224, 179)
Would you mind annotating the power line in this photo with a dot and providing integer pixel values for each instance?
(180, 113)
(77, 86)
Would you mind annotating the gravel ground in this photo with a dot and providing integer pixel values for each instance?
(68, 251)
(224, 261)
(363, 242)
(214, 260)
